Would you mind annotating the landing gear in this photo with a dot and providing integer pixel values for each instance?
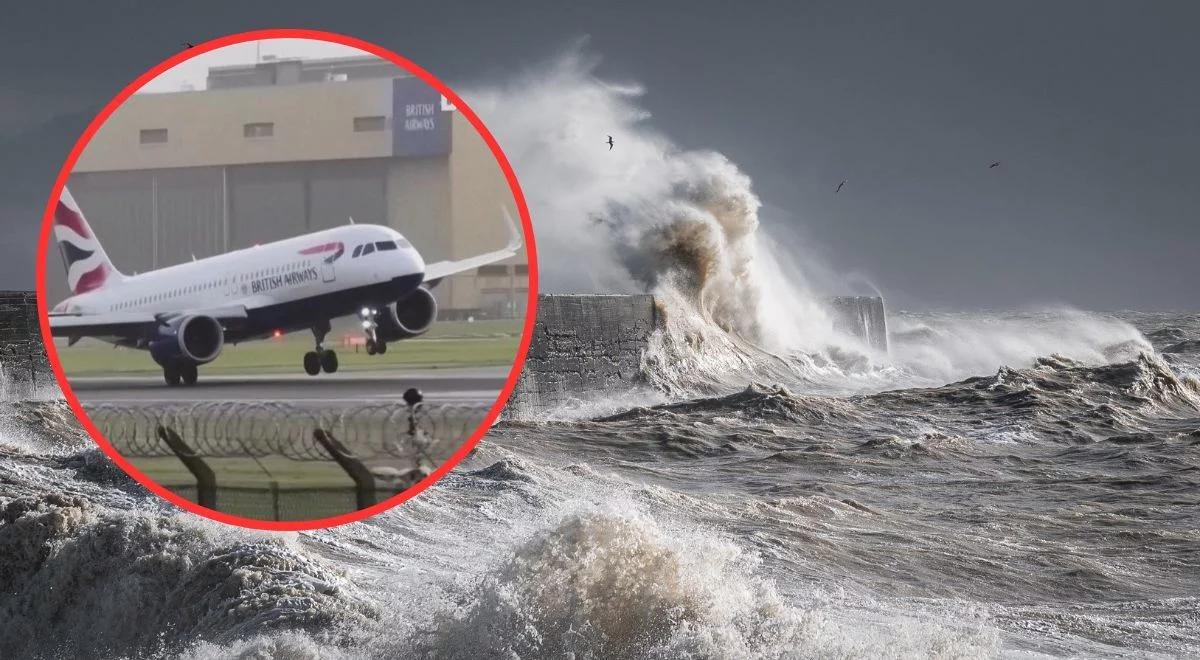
(176, 372)
(325, 360)
(321, 359)
(376, 347)
(329, 361)
(171, 374)
(312, 363)
(189, 373)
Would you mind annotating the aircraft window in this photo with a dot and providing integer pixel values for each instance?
(385, 245)
(357, 251)
(403, 242)
(368, 249)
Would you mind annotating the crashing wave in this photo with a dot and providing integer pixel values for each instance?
(684, 225)
(79, 579)
(605, 585)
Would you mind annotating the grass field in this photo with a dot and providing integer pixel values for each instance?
(448, 344)
(170, 472)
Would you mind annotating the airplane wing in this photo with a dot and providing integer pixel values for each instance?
(112, 324)
(434, 272)
(130, 325)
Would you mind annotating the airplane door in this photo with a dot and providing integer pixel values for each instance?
(231, 285)
(327, 274)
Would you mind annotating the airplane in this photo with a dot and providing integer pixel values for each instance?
(184, 314)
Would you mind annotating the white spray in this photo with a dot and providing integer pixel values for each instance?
(683, 224)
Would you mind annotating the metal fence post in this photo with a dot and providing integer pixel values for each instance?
(364, 481)
(206, 481)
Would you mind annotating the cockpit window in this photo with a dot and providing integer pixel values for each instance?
(385, 245)
(357, 251)
(368, 249)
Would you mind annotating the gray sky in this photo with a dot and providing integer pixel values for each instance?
(1092, 107)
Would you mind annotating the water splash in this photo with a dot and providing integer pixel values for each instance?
(684, 224)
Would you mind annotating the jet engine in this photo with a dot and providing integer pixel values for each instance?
(196, 338)
(408, 317)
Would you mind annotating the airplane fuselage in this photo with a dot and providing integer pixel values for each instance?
(285, 285)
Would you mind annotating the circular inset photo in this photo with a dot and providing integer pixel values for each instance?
(286, 279)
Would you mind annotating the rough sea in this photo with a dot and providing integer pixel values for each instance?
(1015, 484)
(1044, 508)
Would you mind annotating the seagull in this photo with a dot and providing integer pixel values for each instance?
(995, 164)
(839, 188)
(610, 143)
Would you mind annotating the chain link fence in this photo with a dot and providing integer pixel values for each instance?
(280, 461)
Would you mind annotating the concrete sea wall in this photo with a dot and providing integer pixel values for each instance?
(22, 355)
(584, 345)
(591, 345)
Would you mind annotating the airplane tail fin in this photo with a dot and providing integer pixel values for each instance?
(88, 266)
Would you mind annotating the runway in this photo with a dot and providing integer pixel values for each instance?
(462, 386)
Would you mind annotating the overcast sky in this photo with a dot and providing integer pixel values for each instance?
(1092, 107)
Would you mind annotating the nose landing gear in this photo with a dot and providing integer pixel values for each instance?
(375, 346)
(322, 359)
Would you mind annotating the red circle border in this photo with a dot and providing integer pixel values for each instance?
(527, 230)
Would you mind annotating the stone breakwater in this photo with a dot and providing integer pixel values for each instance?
(588, 345)
(23, 363)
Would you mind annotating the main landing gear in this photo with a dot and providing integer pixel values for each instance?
(375, 345)
(180, 371)
(322, 359)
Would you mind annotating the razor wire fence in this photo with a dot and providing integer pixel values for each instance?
(275, 460)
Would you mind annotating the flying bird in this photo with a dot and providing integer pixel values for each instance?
(839, 188)
(995, 164)
(610, 143)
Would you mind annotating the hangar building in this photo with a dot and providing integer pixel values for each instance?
(283, 147)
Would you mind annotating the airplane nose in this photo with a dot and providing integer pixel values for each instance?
(415, 262)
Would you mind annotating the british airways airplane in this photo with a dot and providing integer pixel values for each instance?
(183, 315)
